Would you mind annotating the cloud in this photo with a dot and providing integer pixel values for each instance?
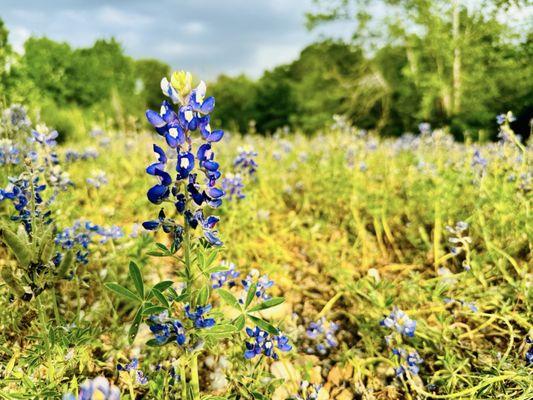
(209, 37)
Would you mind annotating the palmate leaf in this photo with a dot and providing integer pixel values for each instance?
(20, 250)
(229, 298)
(122, 291)
(151, 310)
(203, 295)
(261, 323)
(135, 274)
(161, 297)
(239, 322)
(267, 304)
(251, 294)
(134, 328)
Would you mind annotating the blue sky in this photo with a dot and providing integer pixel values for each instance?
(208, 37)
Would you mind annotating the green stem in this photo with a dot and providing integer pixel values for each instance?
(195, 383)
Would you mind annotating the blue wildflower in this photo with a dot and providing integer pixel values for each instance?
(44, 137)
(9, 152)
(232, 186)
(265, 343)
(399, 321)
(245, 160)
(95, 389)
(408, 361)
(134, 366)
(219, 279)
(165, 329)
(98, 179)
(322, 333)
(263, 284)
(198, 316)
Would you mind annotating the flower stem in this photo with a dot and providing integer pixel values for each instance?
(195, 383)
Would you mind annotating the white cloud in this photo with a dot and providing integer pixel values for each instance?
(116, 17)
(194, 28)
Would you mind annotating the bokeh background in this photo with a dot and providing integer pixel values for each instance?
(385, 65)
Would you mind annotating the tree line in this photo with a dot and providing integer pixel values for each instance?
(433, 61)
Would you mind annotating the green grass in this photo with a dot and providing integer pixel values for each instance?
(341, 241)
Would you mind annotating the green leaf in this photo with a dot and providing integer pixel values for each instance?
(154, 343)
(150, 310)
(17, 246)
(229, 298)
(203, 295)
(223, 330)
(156, 254)
(161, 297)
(121, 291)
(239, 322)
(134, 328)
(65, 264)
(135, 274)
(251, 294)
(261, 323)
(162, 286)
(274, 301)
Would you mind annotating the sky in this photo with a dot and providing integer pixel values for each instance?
(207, 37)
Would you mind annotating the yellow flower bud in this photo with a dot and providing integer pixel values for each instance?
(182, 82)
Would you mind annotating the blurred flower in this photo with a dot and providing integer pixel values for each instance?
(245, 160)
(232, 186)
(95, 389)
(219, 279)
(9, 152)
(133, 366)
(322, 334)
(399, 321)
(408, 361)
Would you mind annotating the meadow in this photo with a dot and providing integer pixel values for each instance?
(364, 267)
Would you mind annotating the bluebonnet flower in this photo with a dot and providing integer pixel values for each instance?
(16, 117)
(89, 153)
(58, 178)
(80, 235)
(322, 333)
(208, 226)
(232, 185)
(198, 316)
(5, 194)
(197, 171)
(424, 128)
(229, 276)
(23, 192)
(134, 366)
(44, 137)
(95, 389)
(479, 161)
(263, 283)
(165, 329)
(529, 353)
(399, 321)
(408, 361)
(71, 155)
(245, 160)
(9, 152)
(97, 179)
(459, 240)
(501, 118)
(307, 391)
(265, 343)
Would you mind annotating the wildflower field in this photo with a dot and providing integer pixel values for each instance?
(191, 263)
